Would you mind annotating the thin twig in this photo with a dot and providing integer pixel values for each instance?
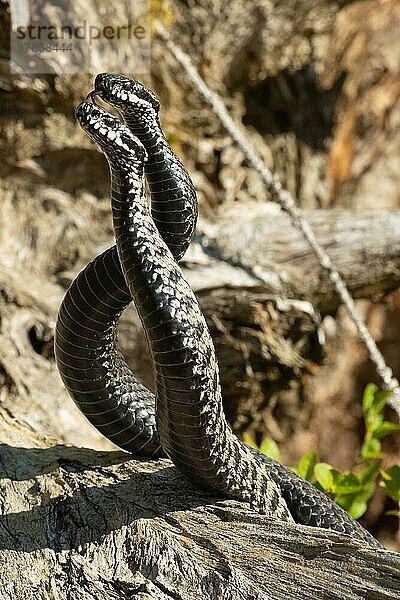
(285, 200)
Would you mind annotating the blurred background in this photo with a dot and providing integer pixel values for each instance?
(317, 87)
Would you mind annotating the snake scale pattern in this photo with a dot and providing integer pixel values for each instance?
(185, 419)
(90, 363)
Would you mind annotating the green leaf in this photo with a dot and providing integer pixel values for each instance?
(346, 483)
(323, 473)
(306, 464)
(381, 399)
(248, 440)
(394, 513)
(370, 471)
(373, 404)
(356, 504)
(270, 448)
(357, 508)
(386, 428)
(367, 491)
(368, 396)
(373, 421)
(371, 449)
(345, 502)
(391, 482)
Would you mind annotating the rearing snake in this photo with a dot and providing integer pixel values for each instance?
(186, 417)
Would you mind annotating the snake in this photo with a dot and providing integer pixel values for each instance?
(188, 409)
(88, 358)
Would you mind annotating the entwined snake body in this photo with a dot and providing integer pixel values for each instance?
(188, 417)
(90, 363)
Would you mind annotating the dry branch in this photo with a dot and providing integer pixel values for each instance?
(243, 277)
(285, 200)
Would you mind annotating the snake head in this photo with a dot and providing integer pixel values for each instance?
(127, 95)
(107, 131)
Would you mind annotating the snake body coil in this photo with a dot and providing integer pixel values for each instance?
(91, 366)
(189, 415)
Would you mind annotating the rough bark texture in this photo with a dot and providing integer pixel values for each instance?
(269, 253)
(318, 88)
(84, 524)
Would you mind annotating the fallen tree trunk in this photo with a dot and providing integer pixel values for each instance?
(77, 523)
(267, 252)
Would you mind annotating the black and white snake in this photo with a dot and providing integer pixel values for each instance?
(185, 418)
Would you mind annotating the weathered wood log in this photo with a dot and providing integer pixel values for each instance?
(269, 254)
(77, 523)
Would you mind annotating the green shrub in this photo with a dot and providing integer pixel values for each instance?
(353, 489)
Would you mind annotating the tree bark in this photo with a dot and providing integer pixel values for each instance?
(269, 254)
(78, 523)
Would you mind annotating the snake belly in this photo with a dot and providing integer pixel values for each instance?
(189, 415)
(90, 363)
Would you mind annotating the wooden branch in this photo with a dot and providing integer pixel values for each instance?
(267, 252)
(80, 523)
